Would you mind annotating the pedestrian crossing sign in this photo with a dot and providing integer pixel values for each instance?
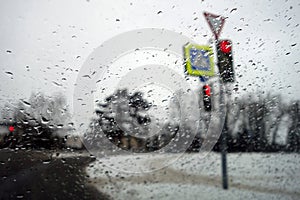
(199, 60)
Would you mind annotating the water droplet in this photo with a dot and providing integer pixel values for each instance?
(9, 73)
(20, 196)
(26, 103)
(57, 84)
(25, 122)
(44, 120)
(234, 9)
(86, 76)
(46, 161)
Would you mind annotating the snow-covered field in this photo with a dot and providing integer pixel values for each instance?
(193, 176)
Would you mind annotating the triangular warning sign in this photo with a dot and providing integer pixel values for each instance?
(215, 22)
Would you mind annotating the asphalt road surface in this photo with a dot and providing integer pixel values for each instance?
(37, 175)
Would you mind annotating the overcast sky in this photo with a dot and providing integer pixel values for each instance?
(44, 43)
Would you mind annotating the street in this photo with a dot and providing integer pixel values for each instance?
(76, 175)
(35, 175)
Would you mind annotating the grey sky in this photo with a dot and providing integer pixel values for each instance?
(53, 38)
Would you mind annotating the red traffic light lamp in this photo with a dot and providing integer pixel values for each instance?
(206, 90)
(207, 97)
(225, 46)
(11, 128)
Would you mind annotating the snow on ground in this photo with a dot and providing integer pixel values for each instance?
(251, 176)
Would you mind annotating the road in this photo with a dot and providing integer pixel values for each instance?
(38, 175)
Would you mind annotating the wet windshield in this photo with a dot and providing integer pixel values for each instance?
(149, 99)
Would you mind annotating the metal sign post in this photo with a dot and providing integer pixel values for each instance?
(216, 23)
(224, 145)
(199, 62)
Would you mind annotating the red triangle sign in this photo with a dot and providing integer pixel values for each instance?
(215, 22)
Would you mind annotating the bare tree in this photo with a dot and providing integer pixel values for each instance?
(122, 118)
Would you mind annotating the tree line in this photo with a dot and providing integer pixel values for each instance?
(262, 124)
(35, 122)
(254, 124)
(122, 121)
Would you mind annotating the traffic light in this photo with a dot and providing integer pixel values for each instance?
(207, 97)
(11, 128)
(225, 60)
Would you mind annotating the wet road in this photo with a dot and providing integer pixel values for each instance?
(35, 175)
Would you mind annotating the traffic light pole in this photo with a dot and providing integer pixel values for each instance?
(224, 139)
(224, 159)
(224, 146)
(225, 65)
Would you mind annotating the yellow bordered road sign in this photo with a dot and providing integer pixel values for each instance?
(199, 60)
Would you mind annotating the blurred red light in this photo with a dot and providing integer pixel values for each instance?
(225, 46)
(11, 129)
(207, 90)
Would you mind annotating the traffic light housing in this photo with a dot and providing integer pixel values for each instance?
(225, 60)
(207, 97)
